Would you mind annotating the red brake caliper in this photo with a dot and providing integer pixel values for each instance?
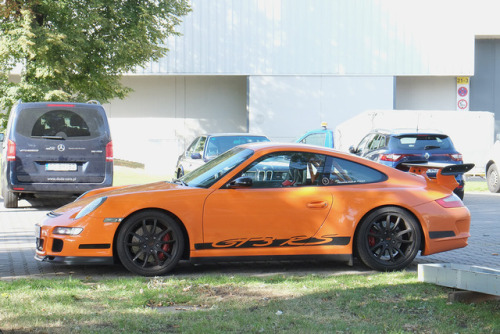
(371, 239)
(166, 247)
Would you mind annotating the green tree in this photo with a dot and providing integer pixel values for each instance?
(77, 50)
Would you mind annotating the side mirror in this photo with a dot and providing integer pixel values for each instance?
(352, 149)
(1, 137)
(196, 156)
(241, 182)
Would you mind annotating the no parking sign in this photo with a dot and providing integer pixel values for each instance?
(463, 93)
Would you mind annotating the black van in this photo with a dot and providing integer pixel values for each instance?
(55, 148)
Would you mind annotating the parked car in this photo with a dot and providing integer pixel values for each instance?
(244, 205)
(205, 148)
(55, 148)
(319, 137)
(394, 148)
(492, 168)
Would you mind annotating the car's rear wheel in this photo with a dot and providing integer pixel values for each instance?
(10, 199)
(493, 179)
(388, 239)
(150, 243)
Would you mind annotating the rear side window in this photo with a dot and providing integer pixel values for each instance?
(343, 171)
(421, 142)
(45, 123)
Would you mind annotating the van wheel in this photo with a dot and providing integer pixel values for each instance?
(10, 198)
(493, 179)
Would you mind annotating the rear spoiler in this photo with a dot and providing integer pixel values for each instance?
(445, 175)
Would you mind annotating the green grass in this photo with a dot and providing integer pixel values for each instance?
(476, 186)
(382, 302)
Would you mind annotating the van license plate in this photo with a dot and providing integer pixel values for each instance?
(61, 167)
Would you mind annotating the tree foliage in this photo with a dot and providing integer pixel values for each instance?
(77, 50)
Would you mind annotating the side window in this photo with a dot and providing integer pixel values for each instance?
(196, 146)
(190, 149)
(200, 145)
(341, 171)
(373, 144)
(317, 139)
(286, 169)
(362, 145)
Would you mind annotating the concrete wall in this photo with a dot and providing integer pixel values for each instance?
(426, 93)
(284, 107)
(156, 122)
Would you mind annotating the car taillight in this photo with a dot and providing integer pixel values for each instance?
(109, 151)
(452, 201)
(456, 157)
(11, 151)
(391, 157)
(395, 157)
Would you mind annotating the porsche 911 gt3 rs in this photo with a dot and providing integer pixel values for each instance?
(264, 201)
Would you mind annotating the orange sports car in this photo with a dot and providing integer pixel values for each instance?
(262, 201)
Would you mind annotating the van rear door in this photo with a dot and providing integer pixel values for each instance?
(62, 143)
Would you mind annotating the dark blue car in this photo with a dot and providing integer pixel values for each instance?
(55, 149)
(394, 148)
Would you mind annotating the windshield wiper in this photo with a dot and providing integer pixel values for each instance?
(179, 181)
(49, 137)
(431, 147)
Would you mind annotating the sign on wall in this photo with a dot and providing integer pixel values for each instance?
(463, 93)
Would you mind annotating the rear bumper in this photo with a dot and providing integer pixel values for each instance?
(57, 188)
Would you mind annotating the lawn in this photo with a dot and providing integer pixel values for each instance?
(350, 303)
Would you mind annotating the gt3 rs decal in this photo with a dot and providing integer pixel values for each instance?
(297, 241)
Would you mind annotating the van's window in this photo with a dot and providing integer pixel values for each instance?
(60, 123)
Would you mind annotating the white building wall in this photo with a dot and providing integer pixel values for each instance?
(284, 107)
(426, 93)
(323, 37)
(163, 114)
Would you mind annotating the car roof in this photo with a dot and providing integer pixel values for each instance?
(408, 131)
(233, 134)
(259, 146)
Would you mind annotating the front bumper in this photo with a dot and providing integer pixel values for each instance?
(75, 260)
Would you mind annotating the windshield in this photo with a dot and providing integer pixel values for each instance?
(212, 171)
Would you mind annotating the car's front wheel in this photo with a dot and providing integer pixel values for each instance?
(492, 178)
(388, 239)
(150, 243)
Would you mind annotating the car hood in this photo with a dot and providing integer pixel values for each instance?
(114, 192)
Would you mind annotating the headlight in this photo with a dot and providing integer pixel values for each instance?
(67, 230)
(90, 207)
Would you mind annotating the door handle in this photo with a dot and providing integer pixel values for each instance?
(317, 205)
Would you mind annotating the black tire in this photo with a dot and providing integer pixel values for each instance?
(460, 193)
(388, 239)
(493, 179)
(10, 199)
(150, 243)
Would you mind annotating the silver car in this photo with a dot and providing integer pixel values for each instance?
(206, 147)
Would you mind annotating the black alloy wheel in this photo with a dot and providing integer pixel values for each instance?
(388, 239)
(150, 243)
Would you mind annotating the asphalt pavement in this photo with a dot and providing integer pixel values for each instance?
(17, 248)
